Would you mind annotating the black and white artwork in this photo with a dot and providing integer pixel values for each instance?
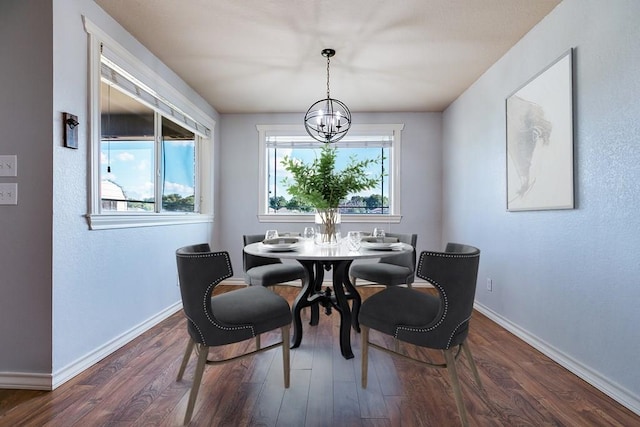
(540, 140)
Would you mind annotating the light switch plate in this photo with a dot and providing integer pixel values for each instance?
(8, 193)
(9, 165)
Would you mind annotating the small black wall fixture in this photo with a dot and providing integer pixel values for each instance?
(70, 124)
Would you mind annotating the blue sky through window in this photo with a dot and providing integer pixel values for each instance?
(132, 167)
(179, 171)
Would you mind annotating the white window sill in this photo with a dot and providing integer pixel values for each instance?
(129, 220)
(377, 219)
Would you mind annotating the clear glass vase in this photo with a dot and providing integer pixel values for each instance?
(328, 227)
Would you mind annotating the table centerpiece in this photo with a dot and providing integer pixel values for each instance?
(319, 185)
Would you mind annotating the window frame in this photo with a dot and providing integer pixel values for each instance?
(393, 217)
(96, 218)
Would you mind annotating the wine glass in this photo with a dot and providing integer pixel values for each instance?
(271, 234)
(378, 233)
(354, 239)
(308, 233)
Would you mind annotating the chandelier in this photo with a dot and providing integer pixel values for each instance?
(327, 120)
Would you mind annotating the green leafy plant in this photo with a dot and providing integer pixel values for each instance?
(320, 185)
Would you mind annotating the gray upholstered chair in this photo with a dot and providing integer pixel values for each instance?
(262, 271)
(226, 318)
(394, 270)
(436, 322)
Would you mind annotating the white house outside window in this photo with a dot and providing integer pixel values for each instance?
(363, 141)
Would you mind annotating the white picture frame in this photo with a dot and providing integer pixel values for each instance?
(539, 136)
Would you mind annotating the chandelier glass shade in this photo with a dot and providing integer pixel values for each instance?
(327, 120)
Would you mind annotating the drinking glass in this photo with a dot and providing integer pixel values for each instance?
(271, 234)
(308, 233)
(378, 233)
(354, 239)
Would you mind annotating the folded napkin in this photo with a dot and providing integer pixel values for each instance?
(371, 239)
(281, 241)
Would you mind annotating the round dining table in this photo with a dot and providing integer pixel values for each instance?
(316, 259)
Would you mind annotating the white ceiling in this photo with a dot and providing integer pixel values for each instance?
(256, 56)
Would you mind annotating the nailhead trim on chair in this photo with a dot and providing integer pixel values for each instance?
(205, 301)
(444, 314)
(449, 255)
(442, 292)
(455, 329)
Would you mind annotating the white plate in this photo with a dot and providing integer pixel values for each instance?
(284, 244)
(381, 246)
(281, 247)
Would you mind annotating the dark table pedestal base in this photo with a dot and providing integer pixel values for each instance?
(337, 298)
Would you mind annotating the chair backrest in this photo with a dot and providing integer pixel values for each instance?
(407, 259)
(199, 271)
(454, 273)
(250, 261)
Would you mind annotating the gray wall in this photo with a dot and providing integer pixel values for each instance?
(26, 129)
(105, 282)
(568, 281)
(68, 294)
(238, 187)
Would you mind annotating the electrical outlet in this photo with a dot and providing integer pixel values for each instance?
(9, 194)
(9, 165)
(489, 284)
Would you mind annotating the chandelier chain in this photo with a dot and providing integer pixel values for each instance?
(328, 61)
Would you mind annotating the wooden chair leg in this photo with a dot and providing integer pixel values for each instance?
(455, 384)
(364, 331)
(472, 364)
(286, 364)
(203, 352)
(185, 359)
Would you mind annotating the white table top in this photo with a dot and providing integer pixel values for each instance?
(310, 251)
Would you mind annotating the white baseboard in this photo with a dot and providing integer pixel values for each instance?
(25, 381)
(71, 370)
(35, 381)
(611, 389)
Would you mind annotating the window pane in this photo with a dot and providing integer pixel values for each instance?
(373, 201)
(178, 168)
(127, 154)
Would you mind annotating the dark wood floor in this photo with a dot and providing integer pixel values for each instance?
(136, 386)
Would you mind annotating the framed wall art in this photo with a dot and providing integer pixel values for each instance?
(539, 118)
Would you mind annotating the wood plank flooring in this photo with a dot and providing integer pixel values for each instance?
(136, 386)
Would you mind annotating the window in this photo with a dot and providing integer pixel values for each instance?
(130, 151)
(363, 141)
(149, 156)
